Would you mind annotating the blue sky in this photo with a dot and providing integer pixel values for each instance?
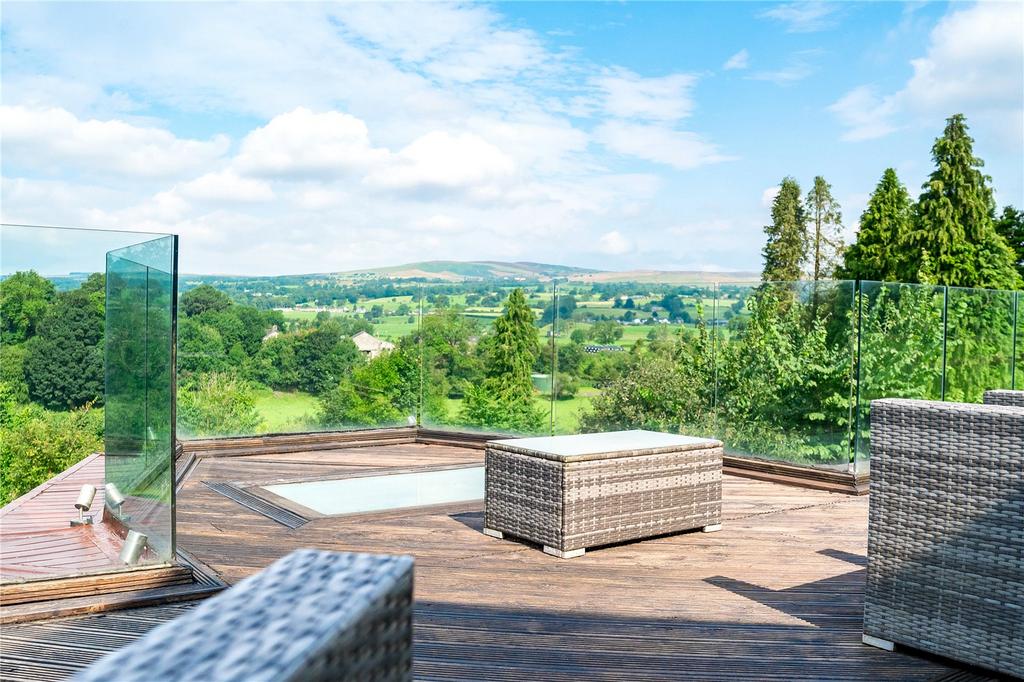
(292, 137)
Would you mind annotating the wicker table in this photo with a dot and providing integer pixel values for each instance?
(569, 493)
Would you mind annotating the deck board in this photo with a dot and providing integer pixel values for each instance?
(776, 595)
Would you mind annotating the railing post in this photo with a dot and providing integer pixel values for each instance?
(945, 332)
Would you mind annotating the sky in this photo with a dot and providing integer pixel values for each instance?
(280, 138)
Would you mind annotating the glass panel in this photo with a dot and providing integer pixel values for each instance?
(784, 371)
(900, 349)
(1018, 342)
(139, 419)
(979, 342)
(86, 397)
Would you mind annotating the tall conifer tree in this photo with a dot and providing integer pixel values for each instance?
(879, 252)
(955, 233)
(824, 234)
(787, 235)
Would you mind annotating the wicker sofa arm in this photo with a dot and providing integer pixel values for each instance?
(312, 615)
(946, 536)
(1011, 398)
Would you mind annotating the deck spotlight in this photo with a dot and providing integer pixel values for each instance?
(114, 499)
(82, 504)
(133, 546)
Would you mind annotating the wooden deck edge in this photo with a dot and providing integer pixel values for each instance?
(800, 476)
(297, 442)
(195, 580)
(29, 591)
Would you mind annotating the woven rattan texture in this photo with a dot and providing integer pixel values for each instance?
(313, 615)
(576, 505)
(946, 530)
(1011, 398)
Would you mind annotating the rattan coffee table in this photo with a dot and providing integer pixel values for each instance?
(570, 493)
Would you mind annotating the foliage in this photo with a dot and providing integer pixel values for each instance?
(200, 348)
(218, 404)
(24, 299)
(36, 444)
(64, 365)
(324, 356)
(880, 251)
(1010, 226)
(566, 386)
(786, 247)
(606, 331)
(504, 399)
(12, 371)
(825, 242)
(202, 299)
(955, 241)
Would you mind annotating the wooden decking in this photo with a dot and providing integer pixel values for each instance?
(776, 595)
(37, 541)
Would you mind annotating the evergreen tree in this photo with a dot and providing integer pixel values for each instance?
(825, 239)
(955, 229)
(504, 399)
(787, 235)
(879, 252)
(1010, 227)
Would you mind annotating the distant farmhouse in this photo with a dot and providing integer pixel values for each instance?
(370, 345)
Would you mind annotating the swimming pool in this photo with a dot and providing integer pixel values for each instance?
(388, 491)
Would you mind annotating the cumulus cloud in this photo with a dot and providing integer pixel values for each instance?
(664, 98)
(740, 60)
(52, 139)
(660, 144)
(768, 196)
(226, 186)
(442, 160)
(302, 143)
(974, 63)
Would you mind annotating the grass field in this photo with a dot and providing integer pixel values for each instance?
(286, 410)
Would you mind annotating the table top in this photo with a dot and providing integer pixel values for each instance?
(610, 444)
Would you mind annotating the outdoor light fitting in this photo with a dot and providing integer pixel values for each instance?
(83, 503)
(115, 499)
(134, 543)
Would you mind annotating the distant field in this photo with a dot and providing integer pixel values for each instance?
(286, 410)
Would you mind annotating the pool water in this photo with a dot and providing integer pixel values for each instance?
(390, 491)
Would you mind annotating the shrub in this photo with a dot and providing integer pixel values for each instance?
(218, 404)
(36, 444)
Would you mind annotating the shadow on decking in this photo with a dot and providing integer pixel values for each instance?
(461, 642)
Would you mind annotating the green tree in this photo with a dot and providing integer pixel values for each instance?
(504, 399)
(606, 331)
(786, 248)
(200, 348)
(218, 404)
(24, 300)
(825, 245)
(955, 241)
(203, 298)
(12, 370)
(275, 364)
(324, 356)
(36, 444)
(880, 250)
(64, 365)
(1010, 227)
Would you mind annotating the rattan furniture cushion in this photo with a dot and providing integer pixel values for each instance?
(312, 615)
(946, 531)
(569, 493)
(611, 445)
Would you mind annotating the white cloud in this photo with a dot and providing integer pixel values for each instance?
(974, 64)
(798, 67)
(680, 149)
(768, 195)
(629, 95)
(442, 160)
(864, 114)
(226, 186)
(740, 60)
(614, 244)
(302, 143)
(804, 17)
(53, 139)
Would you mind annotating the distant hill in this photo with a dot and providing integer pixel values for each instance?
(469, 270)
